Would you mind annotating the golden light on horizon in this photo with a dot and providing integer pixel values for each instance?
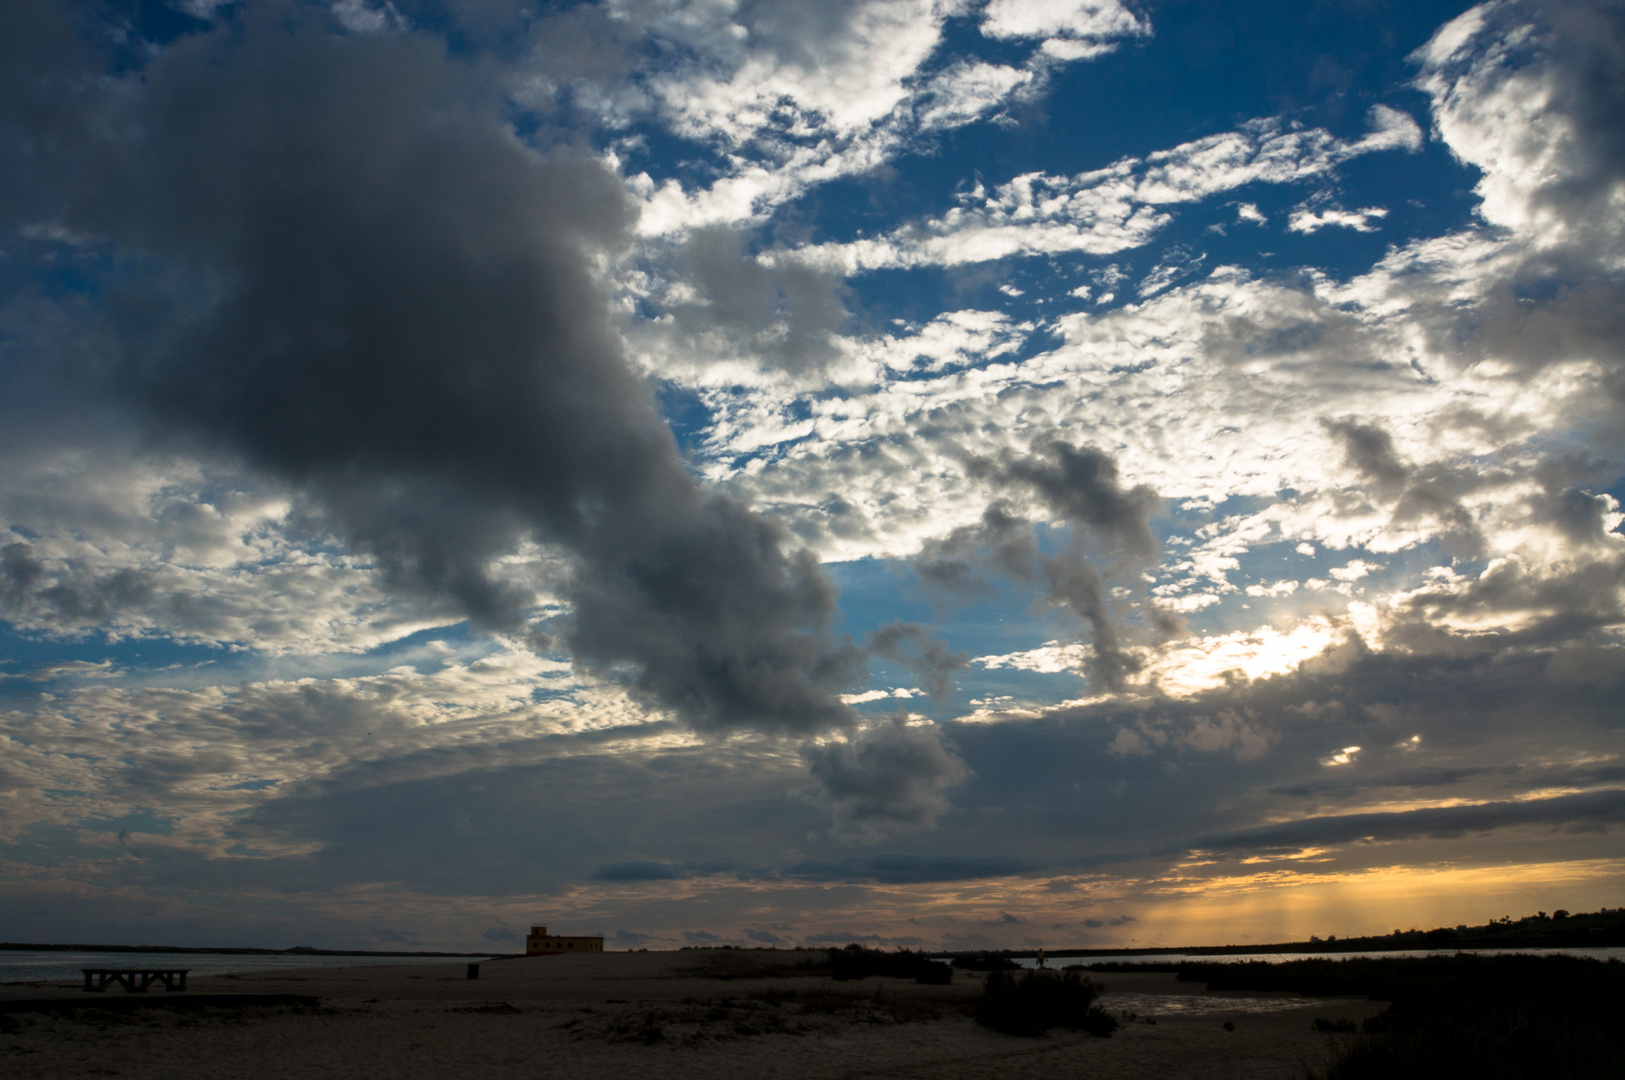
(1286, 905)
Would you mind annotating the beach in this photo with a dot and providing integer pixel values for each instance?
(700, 1013)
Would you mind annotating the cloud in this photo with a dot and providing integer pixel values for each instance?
(911, 645)
(1061, 21)
(1530, 94)
(885, 778)
(637, 871)
(907, 868)
(631, 937)
(966, 91)
(1115, 920)
(358, 18)
(1311, 221)
(1591, 808)
(1108, 210)
(726, 304)
(791, 96)
(767, 938)
(1080, 485)
(420, 345)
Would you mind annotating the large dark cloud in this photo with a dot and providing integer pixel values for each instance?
(885, 778)
(330, 256)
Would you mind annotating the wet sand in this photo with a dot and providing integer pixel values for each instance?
(702, 1013)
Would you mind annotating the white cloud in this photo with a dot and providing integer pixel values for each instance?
(1190, 602)
(1354, 571)
(1174, 266)
(879, 695)
(1499, 115)
(1310, 221)
(792, 100)
(1049, 658)
(967, 91)
(1065, 19)
(1344, 756)
(1197, 664)
(1112, 209)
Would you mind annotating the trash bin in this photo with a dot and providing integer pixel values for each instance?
(473, 971)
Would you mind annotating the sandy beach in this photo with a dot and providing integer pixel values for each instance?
(695, 1013)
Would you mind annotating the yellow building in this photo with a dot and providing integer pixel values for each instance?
(540, 943)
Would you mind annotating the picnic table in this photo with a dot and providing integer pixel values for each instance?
(134, 980)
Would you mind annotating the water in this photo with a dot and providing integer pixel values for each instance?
(49, 966)
(1156, 1005)
(1598, 953)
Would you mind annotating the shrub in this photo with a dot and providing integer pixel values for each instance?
(856, 962)
(1040, 1000)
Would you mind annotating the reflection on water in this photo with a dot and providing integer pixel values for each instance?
(32, 966)
(1202, 1004)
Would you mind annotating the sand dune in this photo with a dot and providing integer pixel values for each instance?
(699, 1013)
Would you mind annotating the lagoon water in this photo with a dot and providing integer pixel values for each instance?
(1599, 953)
(52, 966)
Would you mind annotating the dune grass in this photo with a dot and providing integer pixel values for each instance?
(856, 962)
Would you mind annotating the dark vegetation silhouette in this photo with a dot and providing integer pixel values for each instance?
(1487, 1017)
(1561, 929)
(1039, 1000)
(856, 962)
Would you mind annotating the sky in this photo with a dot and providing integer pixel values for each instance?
(931, 473)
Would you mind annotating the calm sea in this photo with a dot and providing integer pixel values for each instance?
(28, 966)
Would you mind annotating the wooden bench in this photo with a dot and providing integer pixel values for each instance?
(134, 980)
